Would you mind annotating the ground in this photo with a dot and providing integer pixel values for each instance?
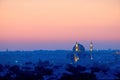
(58, 65)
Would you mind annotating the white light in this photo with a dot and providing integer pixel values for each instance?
(16, 61)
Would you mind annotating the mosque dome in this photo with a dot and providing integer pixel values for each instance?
(78, 48)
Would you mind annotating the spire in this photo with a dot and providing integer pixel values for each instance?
(76, 47)
(91, 49)
(91, 46)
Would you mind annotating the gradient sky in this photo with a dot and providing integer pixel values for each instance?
(58, 24)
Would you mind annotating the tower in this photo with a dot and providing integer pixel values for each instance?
(91, 49)
(76, 47)
(91, 46)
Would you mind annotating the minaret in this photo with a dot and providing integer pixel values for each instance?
(91, 46)
(76, 58)
(76, 47)
(91, 49)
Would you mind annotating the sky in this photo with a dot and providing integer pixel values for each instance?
(58, 24)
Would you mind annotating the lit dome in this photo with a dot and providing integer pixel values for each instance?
(78, 48)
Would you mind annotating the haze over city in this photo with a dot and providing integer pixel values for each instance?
(51, 24)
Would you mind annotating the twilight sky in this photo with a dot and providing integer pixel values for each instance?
(58, 24)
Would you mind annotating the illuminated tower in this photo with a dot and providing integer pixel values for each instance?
(91, 46)
(76, 47)
(91, 49)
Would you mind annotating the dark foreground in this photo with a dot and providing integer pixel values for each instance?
(57, 65)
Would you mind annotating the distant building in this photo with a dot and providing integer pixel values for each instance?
(78, 48)
(77, 53)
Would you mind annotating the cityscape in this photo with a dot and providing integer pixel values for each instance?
(59, 40)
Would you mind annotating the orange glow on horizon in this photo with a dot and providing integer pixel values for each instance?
(65, 20)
